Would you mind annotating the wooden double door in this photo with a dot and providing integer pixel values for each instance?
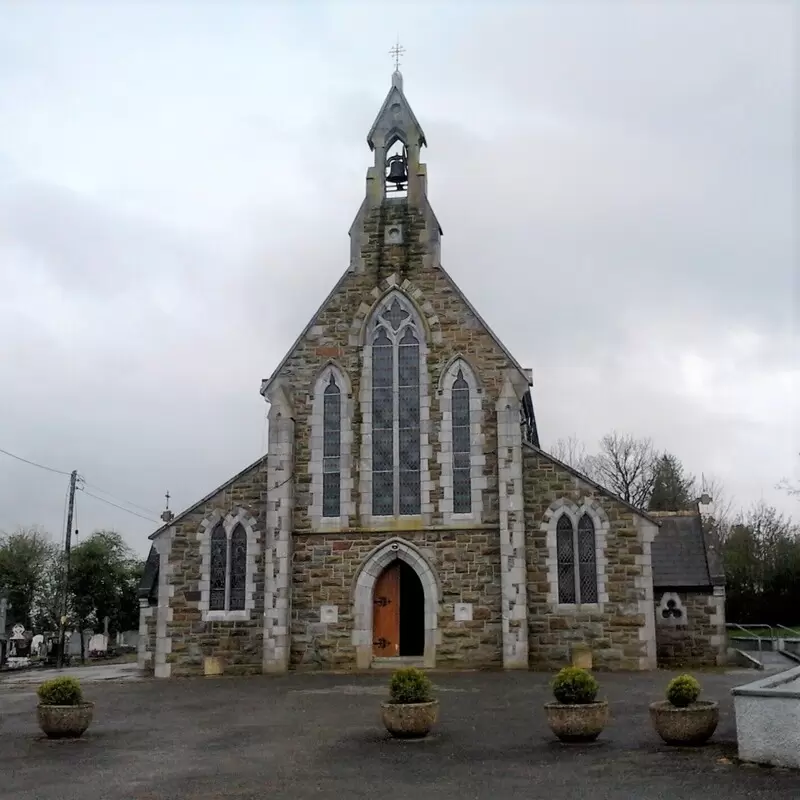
(398, 613)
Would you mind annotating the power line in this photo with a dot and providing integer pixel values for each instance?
(34, 464)
(121, 508)
(96, 488)
(120, 499)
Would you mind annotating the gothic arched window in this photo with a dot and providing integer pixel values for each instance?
(228, 573)
(395, 342)
(238, 573)
(219, 569)
(577, 561)
(462, 447)
(331, 449)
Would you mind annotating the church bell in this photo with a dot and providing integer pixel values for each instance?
(398, 174)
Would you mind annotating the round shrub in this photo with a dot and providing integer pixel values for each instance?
(683, 691)
(410, 685)
(575, 686)
(60, 692)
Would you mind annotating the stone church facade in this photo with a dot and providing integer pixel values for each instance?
(405, 511)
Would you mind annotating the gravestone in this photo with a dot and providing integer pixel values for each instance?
(19, 648)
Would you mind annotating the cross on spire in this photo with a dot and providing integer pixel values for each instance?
(396, 52)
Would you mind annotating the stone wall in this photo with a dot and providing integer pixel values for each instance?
(620, 628)
(692, 632)
(466, 564)
(146, 646)
(334, 335)
(238, 644)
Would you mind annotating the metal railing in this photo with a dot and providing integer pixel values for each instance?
(746, 629)
(792, 631)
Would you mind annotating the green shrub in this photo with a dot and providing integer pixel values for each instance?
(575, 686)
(410, 685)
(683, 691)
(60, 692)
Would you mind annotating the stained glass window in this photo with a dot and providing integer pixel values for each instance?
(462, 484)
(219, 569)
(577, 558)
(382, 424)
(395, 413)
(238, 569)
(565, 548)
(409, 418)
(587, 560)
(331, 449)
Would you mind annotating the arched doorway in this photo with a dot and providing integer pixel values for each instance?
(398, 615)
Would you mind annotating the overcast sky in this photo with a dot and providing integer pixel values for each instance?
(614, 181)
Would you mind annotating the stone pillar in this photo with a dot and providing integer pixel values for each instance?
(278, 544)
(143, 654)
(719, 639)
(163, 545)
(644, 583)
(513, 568)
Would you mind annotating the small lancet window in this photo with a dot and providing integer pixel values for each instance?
(238, 575)
(219, 569)
(331, 449)
(462, 482)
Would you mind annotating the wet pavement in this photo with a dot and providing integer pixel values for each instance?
(320, 736)
(99, 672)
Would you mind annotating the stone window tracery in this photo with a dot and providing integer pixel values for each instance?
(396, 412)
(577, 560)
(228, 573)
(331, 449)
(462, 448)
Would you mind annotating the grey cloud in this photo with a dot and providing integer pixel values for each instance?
(611, 181)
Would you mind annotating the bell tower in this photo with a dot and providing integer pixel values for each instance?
(396, 138)
(396, 198)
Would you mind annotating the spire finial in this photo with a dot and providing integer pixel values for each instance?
(166, 514)
(396, 52)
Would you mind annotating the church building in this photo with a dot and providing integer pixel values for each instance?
(404, 512)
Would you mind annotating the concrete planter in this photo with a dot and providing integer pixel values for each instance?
(65, 722)
(410, 720)
(692, 725)
(577, 723)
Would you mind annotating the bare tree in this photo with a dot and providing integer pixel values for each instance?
(572, 452)
(791, 488)
(626, 466)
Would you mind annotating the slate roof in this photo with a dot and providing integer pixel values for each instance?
(149, 582)
(679, 553)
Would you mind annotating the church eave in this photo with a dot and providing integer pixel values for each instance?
(599, 487)
(208, 497)
(266, 383)
(495, 337)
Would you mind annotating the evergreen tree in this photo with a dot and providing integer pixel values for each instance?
(673, 489)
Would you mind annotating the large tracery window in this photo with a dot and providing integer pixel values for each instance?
(228, 576)
(395, 413)
(577, 561)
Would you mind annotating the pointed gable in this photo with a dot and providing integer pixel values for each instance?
(396, 117)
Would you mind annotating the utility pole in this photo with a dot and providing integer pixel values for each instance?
(67, 544)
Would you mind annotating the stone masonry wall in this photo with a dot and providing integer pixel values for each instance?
(238, 644)
(467, 563)
(457, 330)
(697, 638)
(617, 631)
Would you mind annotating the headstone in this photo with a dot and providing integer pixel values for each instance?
(19, 648)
